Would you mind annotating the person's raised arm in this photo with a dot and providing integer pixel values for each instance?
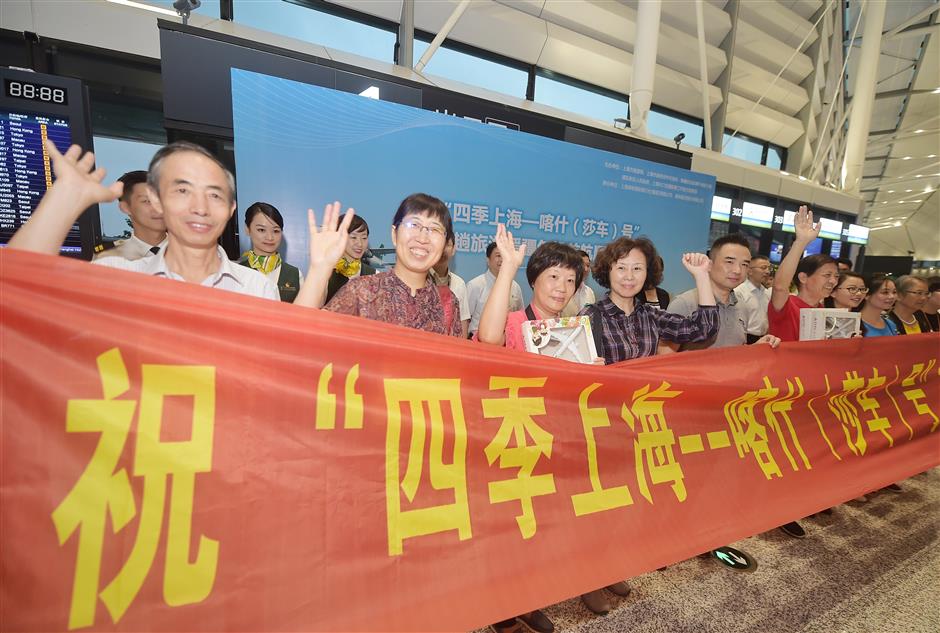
(77, 187)
(327, 245)
(806, 232)
(493, 319)
(698, 265)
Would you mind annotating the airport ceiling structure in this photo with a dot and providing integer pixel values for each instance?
(783, 71)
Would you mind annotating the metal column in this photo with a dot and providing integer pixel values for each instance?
(406, 34)
(863, 96)
(644, 63)
(724, 79)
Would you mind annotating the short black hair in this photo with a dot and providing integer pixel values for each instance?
(810, 265)
(846, 261)
(584, 254)
(130, 180)
(358, 222)
(754, 258)
(554, 254)
(732, 238)
(490, 248)
(266, 209)
(421, 204)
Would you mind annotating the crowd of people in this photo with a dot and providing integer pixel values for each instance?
(180, 206)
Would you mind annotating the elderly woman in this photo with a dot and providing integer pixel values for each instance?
(624, 325)
(815, 277)
(265, 229)
(908, 313)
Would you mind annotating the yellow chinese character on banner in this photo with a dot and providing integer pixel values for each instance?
(875, 421)
(599, 498)
(654, 443)
(750, 434)
(101, 490)
(517, 426)
(850, 416)
(435, 394)
(919, 373)
(778, 416)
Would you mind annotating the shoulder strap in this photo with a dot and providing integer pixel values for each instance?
(530, 313)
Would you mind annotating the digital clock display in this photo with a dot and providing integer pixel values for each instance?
(35, 92)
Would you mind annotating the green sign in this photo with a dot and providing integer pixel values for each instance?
(734, 558)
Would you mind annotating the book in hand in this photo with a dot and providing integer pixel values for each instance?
(819, 324)
(569, 338)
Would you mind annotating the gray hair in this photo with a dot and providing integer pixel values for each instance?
(906, 283)
(156, 163)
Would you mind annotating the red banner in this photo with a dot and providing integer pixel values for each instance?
(179, 458)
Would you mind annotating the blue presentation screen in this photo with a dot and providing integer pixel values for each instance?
(300, 146)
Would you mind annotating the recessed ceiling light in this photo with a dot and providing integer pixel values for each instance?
(892, 191)
(937, 91)
(931, 155)
(906, 158)
(785, 173)
(919, 176)
(897, 224)
(916, 200)
(918, 131)
(908, 190)
(802, 177)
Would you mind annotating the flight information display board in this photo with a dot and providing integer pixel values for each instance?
(26, 169)
(34, 107)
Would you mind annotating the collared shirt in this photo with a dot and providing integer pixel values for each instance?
(732, 320)
(230, 276)
(133, 248)
(478, 291)
(757, 325)
(620, 337)
(384, 297)
(584, 296)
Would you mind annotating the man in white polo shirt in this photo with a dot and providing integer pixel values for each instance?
(478, 288)
(193, 191)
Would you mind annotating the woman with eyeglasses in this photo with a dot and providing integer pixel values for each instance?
(881, 297)
(849, 292)
(908, 314)
(401, 296)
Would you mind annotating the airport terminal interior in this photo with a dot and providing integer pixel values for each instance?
(583, 122)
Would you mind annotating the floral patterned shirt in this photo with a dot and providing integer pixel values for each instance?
(384, 297)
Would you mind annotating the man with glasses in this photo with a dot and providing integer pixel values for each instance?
(753, 289)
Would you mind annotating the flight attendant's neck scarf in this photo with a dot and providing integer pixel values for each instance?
(263, 263)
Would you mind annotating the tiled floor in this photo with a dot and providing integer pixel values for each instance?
(867, 568)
